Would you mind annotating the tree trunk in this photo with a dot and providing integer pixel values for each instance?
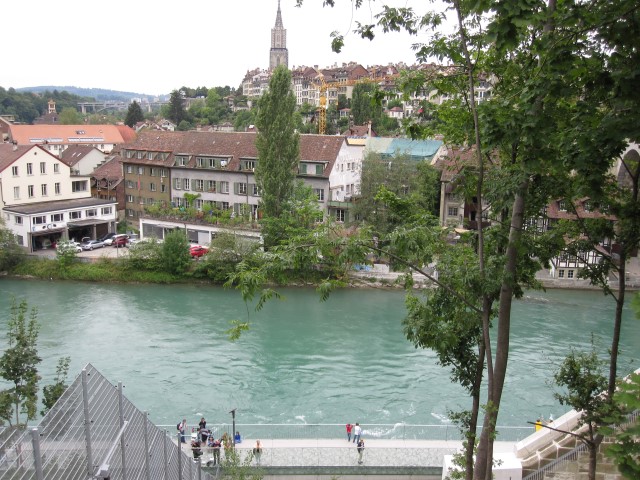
(475, 410)
(485, 448)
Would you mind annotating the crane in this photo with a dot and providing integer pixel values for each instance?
(322, 108)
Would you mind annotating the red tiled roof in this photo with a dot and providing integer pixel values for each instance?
(74, 153)
(110, 134)
(111, 169)
(9, 153)
(233, 145)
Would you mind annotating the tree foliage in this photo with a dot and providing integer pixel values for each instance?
(176, 112)
(9, 248)
(134, 114)
(175, 252)
(19, 364)
(278, 146)
(70, 116)
(51, 393)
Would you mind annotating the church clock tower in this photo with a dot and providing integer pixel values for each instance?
(279, 55)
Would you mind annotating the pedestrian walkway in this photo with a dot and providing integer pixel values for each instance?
(341, 453)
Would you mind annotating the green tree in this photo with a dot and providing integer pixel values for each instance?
(9, 248)
(625, 449)
(51, 393)
(176, 111)
(585, 390)
(134, 114)
(175, 252)
(19, 364)
(243, 118)
(278, 146)
(70, 116)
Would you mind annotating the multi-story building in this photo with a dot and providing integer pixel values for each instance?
(42, 201)
(56, 138)
(216, 170)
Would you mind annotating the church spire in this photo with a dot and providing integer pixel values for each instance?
(279, 55)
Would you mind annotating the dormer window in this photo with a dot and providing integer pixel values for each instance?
(181, 161)
(562, 205)
(249, 165)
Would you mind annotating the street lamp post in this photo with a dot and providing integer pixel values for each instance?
(233, 432)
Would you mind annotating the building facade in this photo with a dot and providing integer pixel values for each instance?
(278, 55)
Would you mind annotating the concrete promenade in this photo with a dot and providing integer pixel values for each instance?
(324, 453)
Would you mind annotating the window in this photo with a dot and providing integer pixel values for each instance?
(163, 188)
(340, 214)
(452, 211)
(139, 155)
(18, 220)
(129, 198)
(14, 171)
(20, 240)
(211, 186)
(43, 189)
(199, 185)
(249, 165)
(79, 186)
(130, 184)
(56, 188)
(224, 187)
(152, 187)
(349, 189)
(57, 217)
(561, 273)
(140, 170)
(29, 168)
(163, 172)
(225, 205)
(149, 155)
(177, 183)
(92, 212)
(199, 203)
(39, 220)
(255, 190)
(570, 273)
(241, 188)
(187, 183)
(30, 191)
(106, 211)
(75, 215)
(16, 193)
(129, 168)
(562, 206)
(129, 212)
(319, 169)
(201, 162)
(56, 168)
(303, 168)
(180, 161)
(43, 168)
(319, 193)
(153, 171)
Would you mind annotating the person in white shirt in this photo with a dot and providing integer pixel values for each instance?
(357, 432)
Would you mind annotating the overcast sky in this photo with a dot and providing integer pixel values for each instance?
(154, 47)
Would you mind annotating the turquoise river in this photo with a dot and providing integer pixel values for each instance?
(303, 360)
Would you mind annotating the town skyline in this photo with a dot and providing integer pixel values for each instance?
(215, 52)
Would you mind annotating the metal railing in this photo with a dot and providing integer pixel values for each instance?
(318, 431)
(94, 432)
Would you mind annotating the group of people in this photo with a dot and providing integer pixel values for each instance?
(357, 439)
(204, 438)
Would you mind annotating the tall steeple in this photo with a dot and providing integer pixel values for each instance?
(279, 55)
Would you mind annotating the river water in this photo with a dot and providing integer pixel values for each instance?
(303, 360)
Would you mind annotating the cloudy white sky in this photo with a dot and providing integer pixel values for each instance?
(154, 47)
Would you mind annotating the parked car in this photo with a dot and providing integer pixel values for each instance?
(69, 245)
(107, 238)
(91, 244)
(120, 240)
(133, 239)
(197, 251)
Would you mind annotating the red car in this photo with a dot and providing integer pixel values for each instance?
(197, 251)
(120, 241)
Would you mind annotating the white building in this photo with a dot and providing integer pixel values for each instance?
(41, 201)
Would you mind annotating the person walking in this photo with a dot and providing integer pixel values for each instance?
(215, 446)
(257, 452)
(349, 428)
(360, 450)
(357, 432)
(203, 433)
(181, 428)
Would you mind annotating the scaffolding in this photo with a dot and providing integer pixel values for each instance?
(94, 432)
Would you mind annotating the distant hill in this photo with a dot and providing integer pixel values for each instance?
(97, 93)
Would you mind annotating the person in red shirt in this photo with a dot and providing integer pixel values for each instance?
(349, 427)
